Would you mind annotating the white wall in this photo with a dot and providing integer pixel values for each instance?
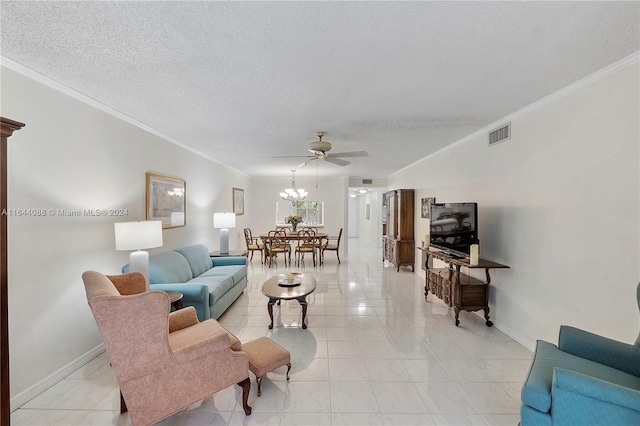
(558, 203)
(354, 217)
(73, 156)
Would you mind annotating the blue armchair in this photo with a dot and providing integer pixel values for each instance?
(586, 380)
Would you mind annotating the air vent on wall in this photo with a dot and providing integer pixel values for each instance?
(367, 181)
(500, 135)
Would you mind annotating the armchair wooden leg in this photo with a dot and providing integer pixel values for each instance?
(246, 387)
(123, 405)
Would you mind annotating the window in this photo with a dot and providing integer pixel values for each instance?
(312, 212)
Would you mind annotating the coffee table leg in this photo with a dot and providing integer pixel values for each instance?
(270, 309)
(303, 303)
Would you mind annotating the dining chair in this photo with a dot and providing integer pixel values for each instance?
(277, 243)
(316, 243)
(307, 243)
(253, 244)
(333, 244)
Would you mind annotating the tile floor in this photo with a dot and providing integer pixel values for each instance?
(375, 353)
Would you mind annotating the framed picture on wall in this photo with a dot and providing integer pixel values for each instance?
(238, 201)
(425, 206)
(166, 200)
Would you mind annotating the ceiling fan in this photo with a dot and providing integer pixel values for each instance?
(320, 150)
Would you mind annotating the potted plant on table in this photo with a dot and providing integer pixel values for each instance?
(294, 221)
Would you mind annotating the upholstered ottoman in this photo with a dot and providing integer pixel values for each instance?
(265, 355)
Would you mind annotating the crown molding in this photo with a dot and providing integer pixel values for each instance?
(626, 62)
(46, 81)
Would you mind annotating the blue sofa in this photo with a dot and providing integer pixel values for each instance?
(586, 380)
(208, 284)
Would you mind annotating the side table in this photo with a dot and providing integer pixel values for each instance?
(176, 299)
(216, 253)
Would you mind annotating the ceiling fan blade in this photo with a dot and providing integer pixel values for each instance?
(307, 162)
(338, 161)
(293, 156)
(350, 154)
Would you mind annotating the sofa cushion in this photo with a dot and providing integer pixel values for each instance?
(198, 258)
(236, 271)
(536, 392)
(218, 285)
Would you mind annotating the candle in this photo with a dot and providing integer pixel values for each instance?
(473, 258)
(427, 239)
(290, 277)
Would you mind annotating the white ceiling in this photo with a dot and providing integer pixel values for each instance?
(242, 82)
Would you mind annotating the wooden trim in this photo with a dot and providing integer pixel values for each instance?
(7, 127)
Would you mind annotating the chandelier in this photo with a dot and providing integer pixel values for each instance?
(292, 194)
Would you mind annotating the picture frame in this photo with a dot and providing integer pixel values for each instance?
(238, 201)
(166, 200)
(425, 206)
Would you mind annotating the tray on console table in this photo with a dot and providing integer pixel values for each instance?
(461, 291)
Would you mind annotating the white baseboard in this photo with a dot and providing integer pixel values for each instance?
(515, 336)
(509, 332)
(35, 390)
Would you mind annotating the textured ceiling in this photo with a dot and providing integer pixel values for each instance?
(242, 82)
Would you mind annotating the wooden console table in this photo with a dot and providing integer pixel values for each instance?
(461, 291)
(216, 253)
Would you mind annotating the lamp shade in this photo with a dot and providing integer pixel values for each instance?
(224, 220)
(138, 235)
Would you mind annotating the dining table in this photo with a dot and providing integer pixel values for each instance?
(320, 236)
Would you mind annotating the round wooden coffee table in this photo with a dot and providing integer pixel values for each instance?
(277, 288)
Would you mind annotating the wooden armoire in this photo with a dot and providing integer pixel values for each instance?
(7, 128)
(398, 241)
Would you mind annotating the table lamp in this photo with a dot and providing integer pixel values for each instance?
(137, 236)
(224, 221)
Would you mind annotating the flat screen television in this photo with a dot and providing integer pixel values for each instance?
(454, 227)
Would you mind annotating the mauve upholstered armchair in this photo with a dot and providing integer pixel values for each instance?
(163, 361)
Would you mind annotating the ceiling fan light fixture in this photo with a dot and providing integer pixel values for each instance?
(319, 147)
(320, 150)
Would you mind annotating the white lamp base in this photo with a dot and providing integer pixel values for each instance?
(139, 262)
(224, 241)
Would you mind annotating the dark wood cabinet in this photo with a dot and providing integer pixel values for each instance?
(7, 127)
(399, 246)
(460, 291)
